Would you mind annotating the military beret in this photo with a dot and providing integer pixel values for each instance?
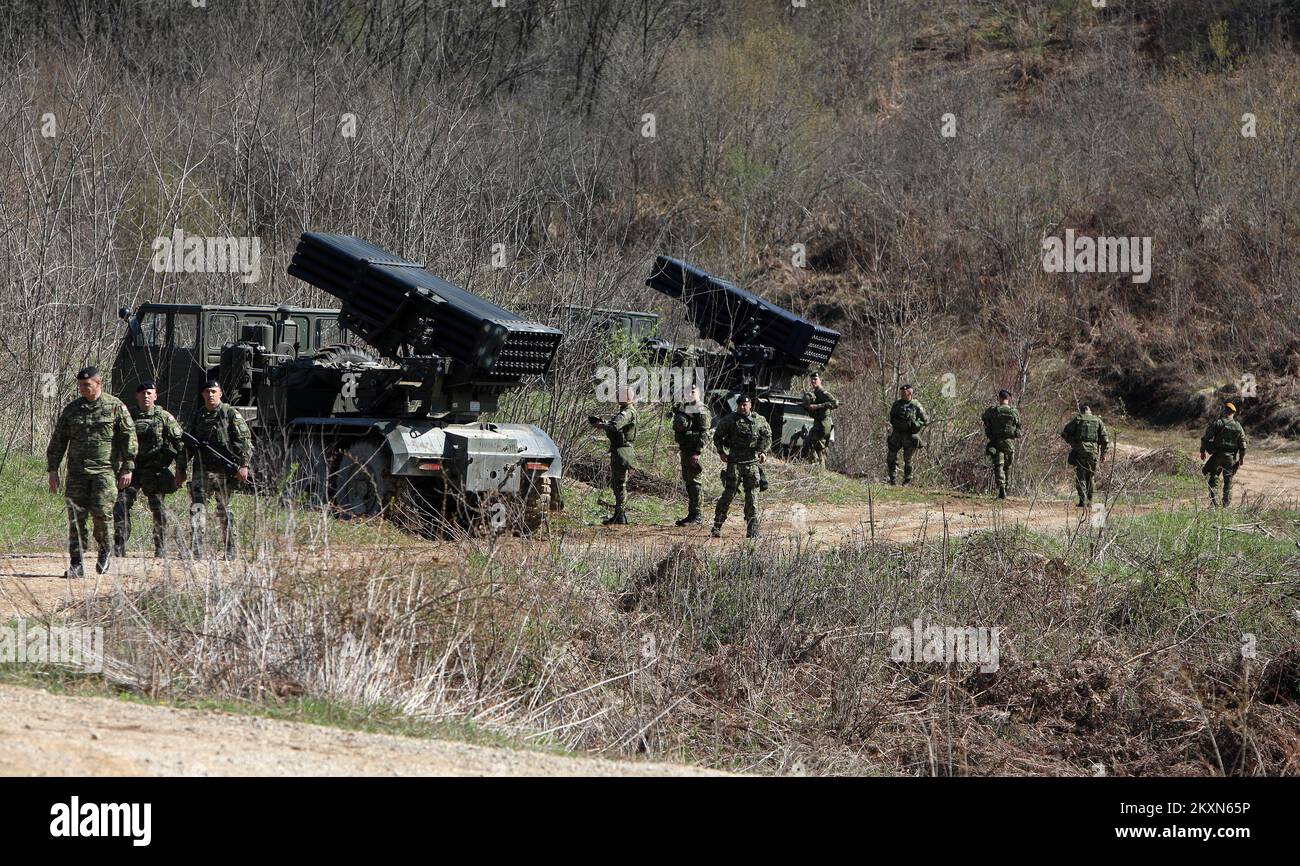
(211, 383)
(1004, 394)
(88, 373)
(904, 387)
(146, 386)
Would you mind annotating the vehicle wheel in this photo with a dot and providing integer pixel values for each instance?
(364, 485)
(537, 507)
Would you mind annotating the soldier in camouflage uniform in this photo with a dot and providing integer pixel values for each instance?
(1001, 428)
(742, 439)
(1225, 443)
(621, 430)
(1089, 440)
(691, 422)
(220, 451)
(96, 433)
(819, 403)
(907, 417)
(159, 469)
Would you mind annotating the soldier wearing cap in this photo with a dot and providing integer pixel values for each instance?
(1225, 443)
(1001, 429)
(97, 435)
(159, 469)
(907, 418)
(221, 449)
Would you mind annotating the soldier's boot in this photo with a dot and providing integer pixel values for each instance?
(692, 518)
(1078, 488)
(75, 569)
(907, 473)
(1227, 492)
(618, 518)
(102, 562)
(751, 528)
(1002, 491)
(716, 531)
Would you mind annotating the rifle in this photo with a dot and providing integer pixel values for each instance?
(232, 468)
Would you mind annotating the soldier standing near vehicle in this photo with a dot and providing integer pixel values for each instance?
(742, 439)
(1225, 443)
(96, 433)
(907, 417)
(1001, 428)
(621, 430)
(220, 447)
(691, 422)
(1089, 440)
(158, 436)
(819, 403)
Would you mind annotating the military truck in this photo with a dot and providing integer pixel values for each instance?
(762, 348)
(373, 407)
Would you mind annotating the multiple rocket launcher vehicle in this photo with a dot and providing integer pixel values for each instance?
(378, 402)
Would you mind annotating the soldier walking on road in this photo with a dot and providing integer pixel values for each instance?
(96, 433)
(907, 417)
(1089, 440)
(1225, 443)
(819, 403)
(159, 469)
(1001, 428)
(621, 430)
(691, 422)
(742, 439)
(221, 449)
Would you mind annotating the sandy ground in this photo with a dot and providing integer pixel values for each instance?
(52, 735)
(47, 734)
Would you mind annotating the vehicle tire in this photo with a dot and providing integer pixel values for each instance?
(537, 508)
(364, 485)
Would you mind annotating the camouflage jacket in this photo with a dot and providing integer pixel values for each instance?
(819, 402)
(159, 436)
(1086, 431)
(97, 435)
(741, 438)
(224, 429)
(1001, 422)
(907, 417)
(691, 422)
(621, 428)
(1225, 436)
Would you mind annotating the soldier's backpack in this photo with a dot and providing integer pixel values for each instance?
(1228, 438)
(1088, 428)
(1003, 424)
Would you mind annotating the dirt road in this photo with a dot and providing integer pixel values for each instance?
(53, 735)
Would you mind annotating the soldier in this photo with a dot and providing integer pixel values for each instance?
(819, 403)
(907, 417)
(621, 430)
(96, 432)
(158, 435)
(691, 422)
(1225, 442)
(1089, 441)
(220, 449)
(742, 440)
(1001, 428)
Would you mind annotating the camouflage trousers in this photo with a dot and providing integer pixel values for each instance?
(1220, 464)
(819, 440)
(909, 444)
(1084, 460)
(122, 516)
(1002, 454)
(691, 472)
(734, 475)
(219, 487)
(89, 497)
(621, 462)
